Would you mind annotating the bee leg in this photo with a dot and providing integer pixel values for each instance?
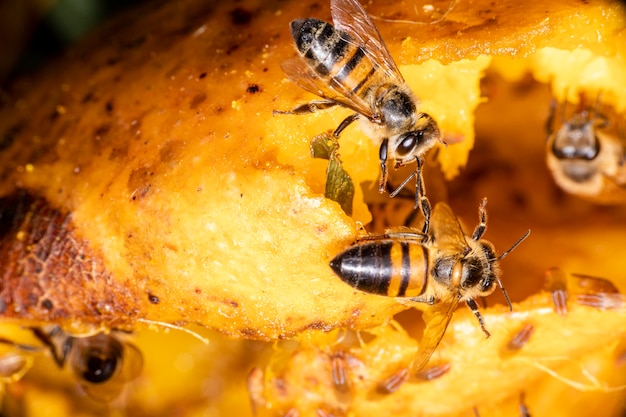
(523, 409)
(404, 183)
(382, 155)
(420, 194)
(474, 307)
(602, 120)
(310, 107)
(345, 123)
(46, 339)
(479, 231)
(550, 120)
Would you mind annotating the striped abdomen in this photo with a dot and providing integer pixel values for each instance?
(394, 268)
(332, 56)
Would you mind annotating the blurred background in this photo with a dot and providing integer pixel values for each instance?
(34, 31)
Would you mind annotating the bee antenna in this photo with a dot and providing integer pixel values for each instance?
(506, 252)
(516, 244)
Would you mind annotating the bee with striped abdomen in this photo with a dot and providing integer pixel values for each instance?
(585, 159)
(442, 269)
(348, 64)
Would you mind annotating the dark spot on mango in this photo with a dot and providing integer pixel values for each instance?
(102, 130)
(134, 43)
(197, 100)
(139, 183)
(9, 136)
(232, 48)
(249, 332)
(253, 89)
(240, 16)
(231, 303)
(119, 152)
(87, 98)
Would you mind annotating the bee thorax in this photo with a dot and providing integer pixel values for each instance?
(397, 108)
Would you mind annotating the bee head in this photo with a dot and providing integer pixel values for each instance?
(408, 145)
(576, 139)
(472, 273)
(481, 269)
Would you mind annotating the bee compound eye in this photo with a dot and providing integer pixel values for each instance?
(408, 143)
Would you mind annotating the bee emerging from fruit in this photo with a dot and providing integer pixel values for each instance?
(584, 157)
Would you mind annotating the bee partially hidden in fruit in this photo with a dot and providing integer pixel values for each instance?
(440, 268)
(584, 157)
(103, 363)
(349, 65)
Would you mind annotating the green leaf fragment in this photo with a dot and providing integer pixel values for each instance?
(323, 146)
(339, 185)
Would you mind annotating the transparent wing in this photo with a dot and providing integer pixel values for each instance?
(437, 319)
(300, 73)
(446, 230)
(350, 17)
(406, 233)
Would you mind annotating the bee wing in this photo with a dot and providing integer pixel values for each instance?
(300, 73)
(437, 319)
(350, 17)
(446, 230)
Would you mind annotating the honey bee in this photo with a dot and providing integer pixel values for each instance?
(102, 363)
(348, 64)
(585, 159)
(442, 269)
